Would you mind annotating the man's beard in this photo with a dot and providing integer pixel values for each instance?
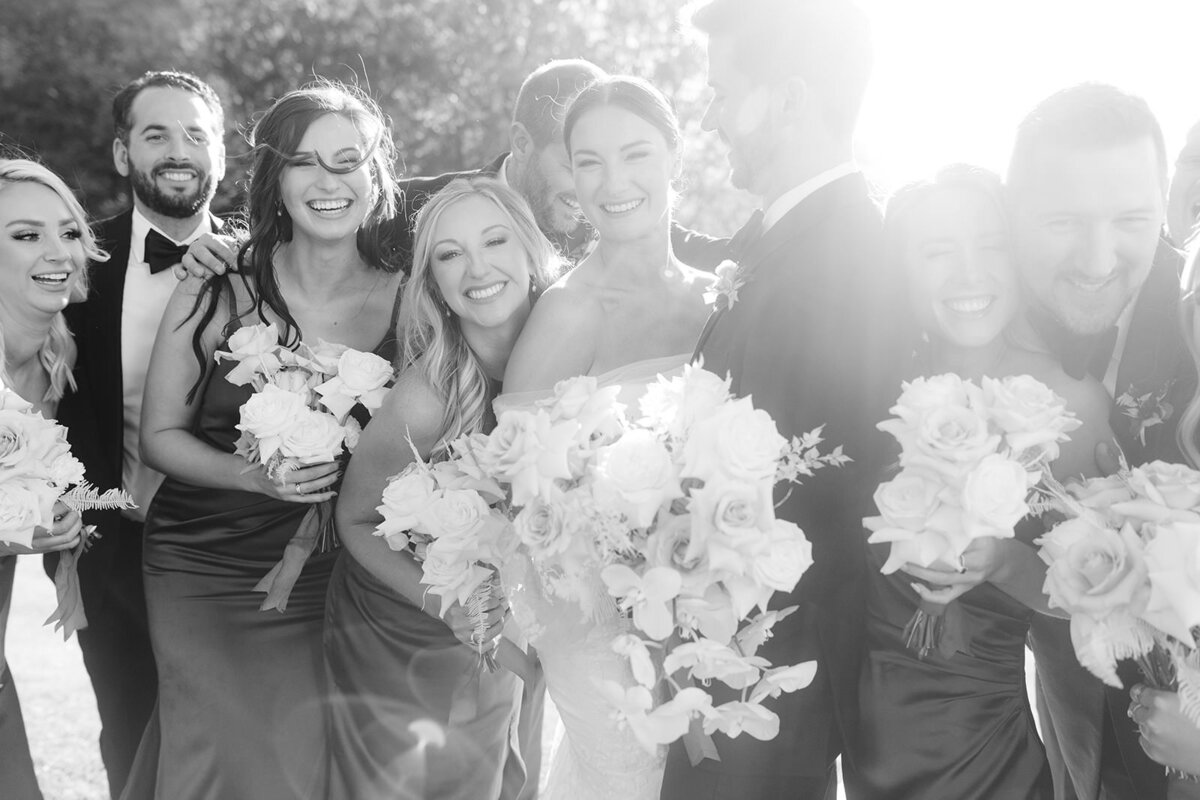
(536, 190)
(176, 206)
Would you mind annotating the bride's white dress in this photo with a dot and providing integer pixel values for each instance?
(594, 759)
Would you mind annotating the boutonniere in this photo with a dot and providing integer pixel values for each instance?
(1145, 410)
(724, 290)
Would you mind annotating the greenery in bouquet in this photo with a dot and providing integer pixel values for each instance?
(673, 511)
(1125, 565)
(37, 471)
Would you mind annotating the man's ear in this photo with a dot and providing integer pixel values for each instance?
(121, 157)
(521, 142)
(796, 98)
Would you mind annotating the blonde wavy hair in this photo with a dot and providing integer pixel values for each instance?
(432, 340)
(57, 353)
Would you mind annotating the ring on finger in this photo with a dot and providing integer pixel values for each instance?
(300, 489)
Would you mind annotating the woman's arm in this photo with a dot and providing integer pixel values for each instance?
(167, 443)
(557, 342)
(411, 411)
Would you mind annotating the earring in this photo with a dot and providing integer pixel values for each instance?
(278, 209)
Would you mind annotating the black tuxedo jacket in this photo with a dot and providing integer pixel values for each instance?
(692, 248)
(94, 412)
(818, 336)
(1080, 707)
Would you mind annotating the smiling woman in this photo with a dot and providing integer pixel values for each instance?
(44, 246)
(315, 266)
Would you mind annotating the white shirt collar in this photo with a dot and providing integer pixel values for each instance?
(1114, 363)
(142, 226)
(502, 173)
(793, 197)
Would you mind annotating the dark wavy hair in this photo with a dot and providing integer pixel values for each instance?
(274, 140)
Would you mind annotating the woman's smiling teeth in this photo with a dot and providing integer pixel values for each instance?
(52, 279)
(482, 293)
(621, 208)
(970, 305)
(328, 207)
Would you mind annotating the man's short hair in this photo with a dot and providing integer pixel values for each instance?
(122, 105)
(827, 43)
(1089, 116)
(544, 96)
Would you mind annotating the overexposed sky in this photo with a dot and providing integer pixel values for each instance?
(953, 77)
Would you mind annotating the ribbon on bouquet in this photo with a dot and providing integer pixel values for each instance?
(68, 615)
(317, 526)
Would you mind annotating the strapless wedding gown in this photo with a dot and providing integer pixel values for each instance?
(593, 759)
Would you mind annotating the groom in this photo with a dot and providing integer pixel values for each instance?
(817, 336)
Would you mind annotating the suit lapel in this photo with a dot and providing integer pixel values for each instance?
(1155, 370)
(720, 346)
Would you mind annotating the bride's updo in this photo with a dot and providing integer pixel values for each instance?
(635, 95)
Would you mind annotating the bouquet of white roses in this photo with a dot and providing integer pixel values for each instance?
(969, 461)
(36, 471)
(299, 415)
(1126, 566)
(674, 512)
(444, 514)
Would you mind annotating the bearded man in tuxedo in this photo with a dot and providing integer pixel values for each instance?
(1088, 185)
(817, 336)
(169, 143)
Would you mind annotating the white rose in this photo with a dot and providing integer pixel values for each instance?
(738, 440)
(363, 372)
(404, 499)
(994, 494)
(1094, 571)
(541, 526)
(314, 438)
(294, 379)
(675, 405)
(249, 341)
(1031, 416)
(25, 505)
(65, 470)
(353, 431)
(636, 476)
(454, 513)
(731, 523)
(1173, 485)
(529, 451)
(1173, 562)
(908, 500)
(949, 440)
(787, 557)
(271, 412)
(11, 401)
(450, 571)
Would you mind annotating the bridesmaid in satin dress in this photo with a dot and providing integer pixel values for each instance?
(414, 715)
(45, 244)
(241, 691)
(961, 726)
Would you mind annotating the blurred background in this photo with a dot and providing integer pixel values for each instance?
(952, 77)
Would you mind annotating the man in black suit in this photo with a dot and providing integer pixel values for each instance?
(536, 165)
(817, 336)
(1088, 185)
(170, 144)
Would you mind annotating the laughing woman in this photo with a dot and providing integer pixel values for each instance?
(960, 725)
(44, 246)
(241, 708)
(413, 715)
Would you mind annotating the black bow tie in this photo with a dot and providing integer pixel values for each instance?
(1079, 355)
(746, 236)
(161, 253)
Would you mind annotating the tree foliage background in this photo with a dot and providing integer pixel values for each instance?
(446, 71)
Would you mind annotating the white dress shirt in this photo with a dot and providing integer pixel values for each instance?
(142, 305)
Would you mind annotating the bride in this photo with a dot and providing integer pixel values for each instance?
(628, 312)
